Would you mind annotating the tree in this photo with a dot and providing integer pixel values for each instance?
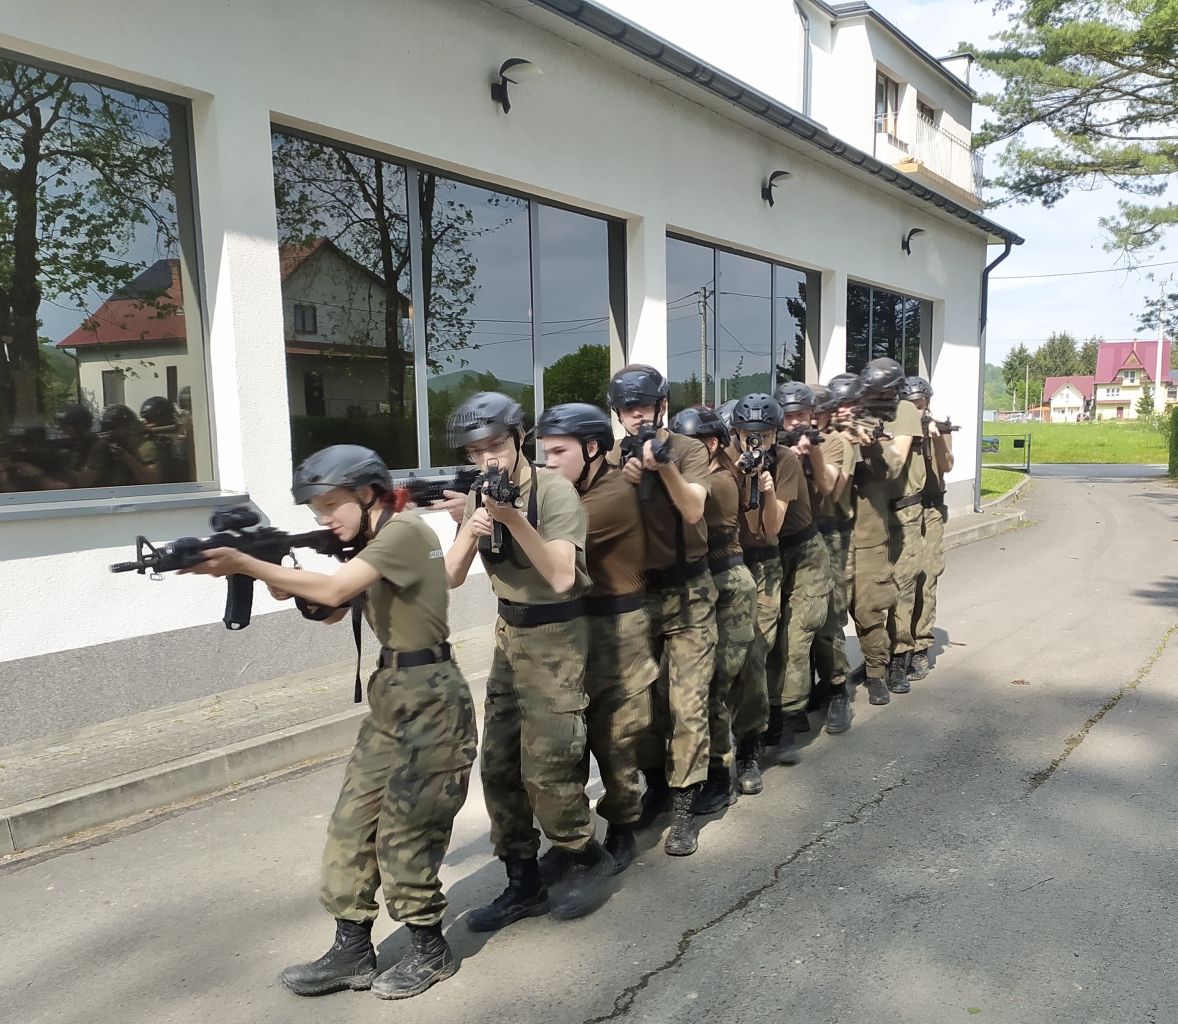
(1086, 357)
(580, 376)
(1056, 357)
(1165, 309)
(1145, 402)
(996, 395)
(1100, 78)
(82, 169)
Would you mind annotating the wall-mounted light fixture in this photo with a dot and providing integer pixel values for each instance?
(512, 72)
(767, 188)
(906, 242)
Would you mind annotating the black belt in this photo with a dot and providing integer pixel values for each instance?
(827, 526)
(614, 604)
(411, 659)
(792, 540)
(898, 503)
(673, 578)
(846, 526)
(933, 500)
(540, 614)
(720, 565)
(754, 555)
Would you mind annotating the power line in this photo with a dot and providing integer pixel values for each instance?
(1082, 273)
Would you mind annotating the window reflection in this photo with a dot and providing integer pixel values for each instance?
(790, 325)
(573, 264)
(476, 272)
(880, 324)
(691, 300)
(344, 256)
(744, 340)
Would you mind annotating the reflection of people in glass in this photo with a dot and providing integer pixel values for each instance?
(166, 444)
(127, 458)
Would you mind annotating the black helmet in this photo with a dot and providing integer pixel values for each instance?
(483, 415)
(882, 375)
(580, 420)
(825, 398)
(158, 411)
(795, 396)
(637, 384)
(342, 465)
(74, 417)
(846, 387)
(115, 416)
(915, 388)
(757, 412)
(725, 412)
(699, 421)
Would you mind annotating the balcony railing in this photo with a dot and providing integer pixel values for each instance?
(914, 139)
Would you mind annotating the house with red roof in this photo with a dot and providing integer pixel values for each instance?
(1124, 369)
(1069, 399)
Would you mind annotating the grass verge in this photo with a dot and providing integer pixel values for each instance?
(996, 482)
(1127, 442)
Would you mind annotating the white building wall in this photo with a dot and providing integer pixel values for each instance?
(410, 78)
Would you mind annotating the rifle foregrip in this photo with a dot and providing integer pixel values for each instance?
(239, 601)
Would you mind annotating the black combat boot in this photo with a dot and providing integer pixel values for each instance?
(787, 750)
(773, 729)
(714, 794)
(799, 722)
(579, 888)
(918, 667)
(428, 961)
(525, 896)
(554, 863)
(898, 674)
(621, 845)
(657, 798)
(683, 839)
(748, 765)
(877, 692)
(838, 714)
(350, 963)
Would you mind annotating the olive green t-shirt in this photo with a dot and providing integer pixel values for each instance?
(659, 515)
(559, 516)
(752, 521)
(406, 607)
(879, 466)
(792, 488)
(839, 452)
(911, 478)
(934, 483)
(721, 513)
(615, 544)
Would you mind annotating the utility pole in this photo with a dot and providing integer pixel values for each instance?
(703, 345)
(1027, 389)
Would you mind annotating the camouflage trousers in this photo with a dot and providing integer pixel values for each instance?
(683, 644)
(619, 682)
(906, 549)
(736, 607)
(534, 738)
(830, 643)
(872, 593)
(749, 699)
(805, 603)
(405, 782)
(933, 565)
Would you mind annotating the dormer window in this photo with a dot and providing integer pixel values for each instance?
(887, 104)
(1130, 377)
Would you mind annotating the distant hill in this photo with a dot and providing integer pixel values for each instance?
(472, 380)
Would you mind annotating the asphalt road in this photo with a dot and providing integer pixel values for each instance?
(956, 855)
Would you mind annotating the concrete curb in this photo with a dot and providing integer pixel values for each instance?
(989, 525)
(1010, 497)
(37, 822)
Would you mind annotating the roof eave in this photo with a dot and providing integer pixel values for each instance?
(683, 65)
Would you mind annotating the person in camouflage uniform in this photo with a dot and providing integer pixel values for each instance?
(529, 527)
(736, 597)
(756, 419)
(672, 477)
(938, 460)
(619, 671)
(408, 774)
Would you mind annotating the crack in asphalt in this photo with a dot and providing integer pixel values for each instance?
(625, 1000)
(1042, 776)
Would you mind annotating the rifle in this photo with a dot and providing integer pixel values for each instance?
(633, 445)
(237, 527)
(496, 485)
(791, 437)
(945, 426)
(423, 492)
(753, 461)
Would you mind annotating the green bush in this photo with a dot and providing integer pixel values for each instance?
(1174, 441)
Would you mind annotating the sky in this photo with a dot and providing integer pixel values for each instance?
(1065, 239)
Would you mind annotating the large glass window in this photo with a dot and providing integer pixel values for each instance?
(500, 288)
(102, 378)
(883, 323)
(735, 324)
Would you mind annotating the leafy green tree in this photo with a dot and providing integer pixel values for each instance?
(580, 376)
(1145, 402)
(83, 169)
(1056, 357)
(1086, 357)
(1165, 309)
(996, 394)
(1101, 78)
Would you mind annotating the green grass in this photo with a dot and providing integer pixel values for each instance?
(1079, 442)
(996, 482)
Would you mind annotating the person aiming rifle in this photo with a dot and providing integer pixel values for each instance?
(408, 774)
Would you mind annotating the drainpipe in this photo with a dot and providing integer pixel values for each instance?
(983, 316)
(806, 64)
